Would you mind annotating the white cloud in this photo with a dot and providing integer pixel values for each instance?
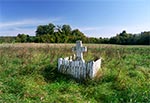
(28, 22)
(90, 28)
(16, 31)
(109, 31)
(27, 26)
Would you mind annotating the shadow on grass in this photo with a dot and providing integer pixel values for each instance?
(51, 74)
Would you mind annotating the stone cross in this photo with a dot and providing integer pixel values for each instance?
(79, 50)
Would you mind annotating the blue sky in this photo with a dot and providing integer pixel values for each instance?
(95, 18)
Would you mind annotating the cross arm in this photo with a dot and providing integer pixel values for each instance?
(74, 49)
(84, 49)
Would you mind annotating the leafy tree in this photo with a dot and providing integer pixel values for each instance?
(143, 38)
(31, 39)
(50, 29)
(7, 39)
(123, 33)
(64, 34)
(130, 39)
(45, 29)
(22, 38)
(40, 30)
(66, 29)
(77, 35)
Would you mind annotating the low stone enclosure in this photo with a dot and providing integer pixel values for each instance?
(77, 67)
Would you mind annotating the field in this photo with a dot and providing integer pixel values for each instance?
(28, 73)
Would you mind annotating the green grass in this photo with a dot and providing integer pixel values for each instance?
(28, 73)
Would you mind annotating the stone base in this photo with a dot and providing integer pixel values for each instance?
(79, 69)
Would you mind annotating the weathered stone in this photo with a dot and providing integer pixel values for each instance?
(79, 49)
(78, 68)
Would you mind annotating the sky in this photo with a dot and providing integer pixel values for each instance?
(95, 18)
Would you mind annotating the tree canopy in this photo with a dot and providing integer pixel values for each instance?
(58, 34)
(51, 33)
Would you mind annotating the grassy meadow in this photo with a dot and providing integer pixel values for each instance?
(28, 74)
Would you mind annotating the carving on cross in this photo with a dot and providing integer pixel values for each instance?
(79, 50)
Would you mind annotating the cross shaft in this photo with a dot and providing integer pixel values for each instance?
(79, 49)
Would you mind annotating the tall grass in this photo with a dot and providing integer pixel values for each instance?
(28, 73)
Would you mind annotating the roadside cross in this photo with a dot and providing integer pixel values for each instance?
(79, 49)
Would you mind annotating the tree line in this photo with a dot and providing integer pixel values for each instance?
(51, 33)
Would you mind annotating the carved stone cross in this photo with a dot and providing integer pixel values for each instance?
(79, 50)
